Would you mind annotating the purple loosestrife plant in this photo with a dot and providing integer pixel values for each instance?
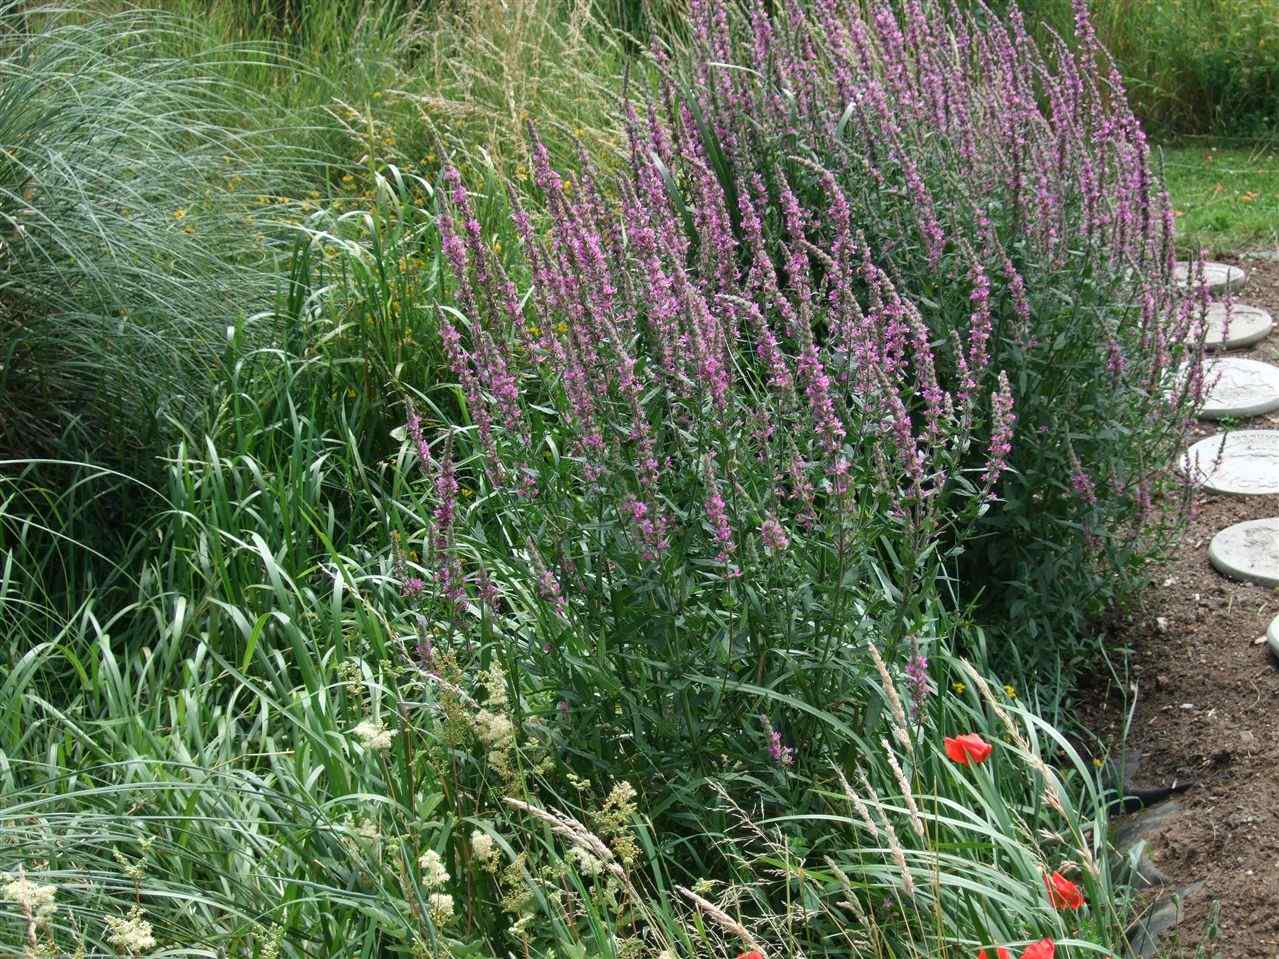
(702, 450)
(843, 329)
(1006, 192)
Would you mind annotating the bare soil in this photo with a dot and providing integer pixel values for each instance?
(1207, 714)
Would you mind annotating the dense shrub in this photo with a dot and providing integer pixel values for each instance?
(1008, 194)
(748, 419)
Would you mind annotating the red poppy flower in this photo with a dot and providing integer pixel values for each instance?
(1000, 953)
(1043, 949)
(755, 954)
(968, 749)
(1062, 893)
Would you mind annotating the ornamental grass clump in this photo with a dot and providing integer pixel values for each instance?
(137, 220)
(1007, 191)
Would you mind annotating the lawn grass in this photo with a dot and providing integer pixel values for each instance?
(1227, 195)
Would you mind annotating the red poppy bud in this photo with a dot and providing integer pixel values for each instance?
(968, 749)
(1062, 893)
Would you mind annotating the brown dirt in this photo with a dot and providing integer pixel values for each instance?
(1207, 713)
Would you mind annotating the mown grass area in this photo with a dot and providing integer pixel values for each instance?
(1226, 196)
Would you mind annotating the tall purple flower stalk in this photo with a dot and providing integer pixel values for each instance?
(829, 271)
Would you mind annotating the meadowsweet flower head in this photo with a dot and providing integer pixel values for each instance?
(434, 874)
(132, 934)
(373, 735)
(441, 907)
(585, 863)
(483, 848)
(495, 730)
(34, 899)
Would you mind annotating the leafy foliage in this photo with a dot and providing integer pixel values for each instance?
(1008, 193)
(640, 636)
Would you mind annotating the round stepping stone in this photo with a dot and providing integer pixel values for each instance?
(1217, 276)
(1246, 465)
(1239, 387)
(1248, 325)
(1249, 552)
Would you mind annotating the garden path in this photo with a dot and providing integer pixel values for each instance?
(1207, 714)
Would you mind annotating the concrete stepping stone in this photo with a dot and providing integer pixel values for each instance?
(1159, 922)
(1248, 551)
(1240, 387)
(1217, 276)
(1242, 463)
(1138, 833)
(1248, 325)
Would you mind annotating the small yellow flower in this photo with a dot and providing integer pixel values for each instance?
(567, 185)
(179, 214)
(348, 178)
(958, 688)
(1098, 761)
(1010, 692)
(534, 330)
(467, 491)
(561, 328)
